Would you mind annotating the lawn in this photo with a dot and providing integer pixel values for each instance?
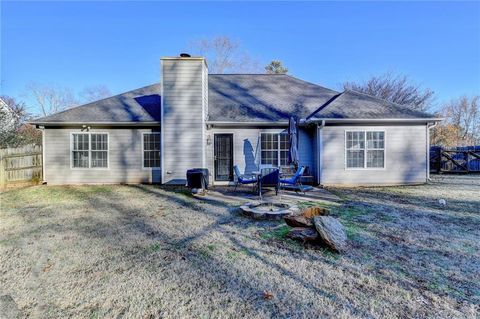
(149, 251)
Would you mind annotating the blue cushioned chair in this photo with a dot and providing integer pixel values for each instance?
(295, 179)
(243, 179)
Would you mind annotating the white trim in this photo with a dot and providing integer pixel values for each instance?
(238, 123)
(246, 124)
(278, 148)
(213, 153)
(427, 154)
(389, 120)
(89, 152)
(44, 179)
(155, 123)
(143, 153)
(365, 149)
(326, 120)
(204, 113)
(319, 153)
(162, 134)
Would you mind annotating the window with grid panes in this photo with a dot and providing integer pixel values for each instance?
(99, 150)
(89, 150)
(365, 149)
(80, 150)
(274, 149)
(151, 150)
(375, 149)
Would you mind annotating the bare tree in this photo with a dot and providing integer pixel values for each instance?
(224, 55)
(94, 93)
(461, 125)
(50, 99)
(276, 67)
(395, 88)
(14, 130)
(17, 111)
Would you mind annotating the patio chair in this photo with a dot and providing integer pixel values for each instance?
(270, 177)
(294, 182)
(243, 179)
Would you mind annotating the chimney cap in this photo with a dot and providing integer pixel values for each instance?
(185, 55)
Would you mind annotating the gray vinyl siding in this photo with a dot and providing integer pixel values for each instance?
(125, 159)
(183, 113)
(405, 153)
(246, 148)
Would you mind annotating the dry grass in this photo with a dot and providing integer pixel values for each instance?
(146, 251)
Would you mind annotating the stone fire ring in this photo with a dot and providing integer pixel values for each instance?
(268, 210)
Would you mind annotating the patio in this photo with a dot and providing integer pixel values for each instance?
(245, 194)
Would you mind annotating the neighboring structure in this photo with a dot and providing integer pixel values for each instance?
(195, 119)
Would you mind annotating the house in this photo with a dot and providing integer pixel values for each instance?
(195, 119)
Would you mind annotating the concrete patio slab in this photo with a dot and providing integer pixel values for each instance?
(244, 195)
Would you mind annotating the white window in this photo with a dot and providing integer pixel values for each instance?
(89, 150)
(274, 149)
(151, 150)
(99, 150)
(365, 149)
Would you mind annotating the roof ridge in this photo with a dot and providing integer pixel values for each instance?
(287, 75)
(403, 106)
(321, 86)
(283, 74)
(243, 74)
(96, 101)
(324, 105)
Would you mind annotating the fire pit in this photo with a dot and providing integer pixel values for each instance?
(268, 210)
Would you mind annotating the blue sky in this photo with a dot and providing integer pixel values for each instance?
(118, 44)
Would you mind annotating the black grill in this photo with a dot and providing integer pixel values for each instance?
(197, 178)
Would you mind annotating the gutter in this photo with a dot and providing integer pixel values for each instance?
(429, 127)
(248, 124)
(319, 150)
(245, 124)
(38, 124)
(303, 122)
(44, 180)
(400, 120)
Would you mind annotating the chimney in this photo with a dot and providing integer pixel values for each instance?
(184, 81)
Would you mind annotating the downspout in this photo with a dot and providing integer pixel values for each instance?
(44, 180)
(429, 127)
(319, 150)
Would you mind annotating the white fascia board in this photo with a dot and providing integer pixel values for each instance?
(404, 120)
(227, 123)
(94, 123)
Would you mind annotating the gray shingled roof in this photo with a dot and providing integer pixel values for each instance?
(140, 105)
(262, 97)
(355, 105)
(243, 98)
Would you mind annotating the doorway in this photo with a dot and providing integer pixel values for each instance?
(223, 157)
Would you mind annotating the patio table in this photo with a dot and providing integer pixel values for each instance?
(258, 175)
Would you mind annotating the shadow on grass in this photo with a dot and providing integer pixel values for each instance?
(408, 264)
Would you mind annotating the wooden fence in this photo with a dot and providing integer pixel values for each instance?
(20, 166)
(455, 160)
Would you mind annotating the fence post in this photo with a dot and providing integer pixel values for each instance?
(439, 160)
(468, 161)
(3, 174)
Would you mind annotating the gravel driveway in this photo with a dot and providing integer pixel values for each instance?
(154, 252)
